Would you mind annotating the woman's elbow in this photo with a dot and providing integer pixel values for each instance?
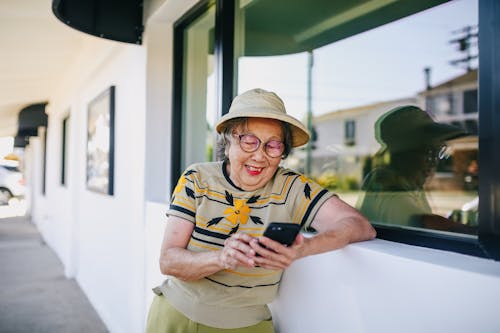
(167, 266)
(164, 267)
(172, 268)
(364, 230)
(369, 231)
(372, 233)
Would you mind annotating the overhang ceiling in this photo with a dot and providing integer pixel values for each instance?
(35, 51)
(279, 26)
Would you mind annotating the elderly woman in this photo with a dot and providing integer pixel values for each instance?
(221, 272)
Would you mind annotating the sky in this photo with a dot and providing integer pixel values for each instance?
(381, 64)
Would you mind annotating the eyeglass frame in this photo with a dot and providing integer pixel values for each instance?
(240, 136)
(438, 153)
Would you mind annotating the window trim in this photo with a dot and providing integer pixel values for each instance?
(489, 126)
(224, 69)
(64, 147)
(177, 87)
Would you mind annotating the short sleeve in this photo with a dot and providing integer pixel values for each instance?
(183, 200)
(305, 198)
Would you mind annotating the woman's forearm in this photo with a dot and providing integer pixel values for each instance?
(188, 265)
(346, 231)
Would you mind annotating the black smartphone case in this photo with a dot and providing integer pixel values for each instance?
(284, 233)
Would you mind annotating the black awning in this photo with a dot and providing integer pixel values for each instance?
(30, 118)
(119, 20)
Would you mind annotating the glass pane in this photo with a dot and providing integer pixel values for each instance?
(198, 90)
(349, 64)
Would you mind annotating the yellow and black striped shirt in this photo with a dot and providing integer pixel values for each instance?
(206, 196)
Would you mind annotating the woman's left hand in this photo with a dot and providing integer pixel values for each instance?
(273, 255)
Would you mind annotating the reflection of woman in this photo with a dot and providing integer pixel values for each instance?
(394, 193)
(221, 272)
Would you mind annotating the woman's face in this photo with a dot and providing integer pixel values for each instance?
(251, 171)
(419, 165)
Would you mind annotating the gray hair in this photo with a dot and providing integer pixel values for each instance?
(224, 141)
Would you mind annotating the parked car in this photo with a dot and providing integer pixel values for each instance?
(11, 184)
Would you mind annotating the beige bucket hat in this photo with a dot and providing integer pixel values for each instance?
(259, 103)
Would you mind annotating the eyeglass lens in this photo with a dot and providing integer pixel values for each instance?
(250, 143)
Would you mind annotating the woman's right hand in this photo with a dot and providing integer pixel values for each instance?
(237, 252)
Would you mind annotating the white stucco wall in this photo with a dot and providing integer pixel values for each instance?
(99, 238)
(380, 286)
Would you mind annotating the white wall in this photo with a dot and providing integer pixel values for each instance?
(381, 286)
(99, 238)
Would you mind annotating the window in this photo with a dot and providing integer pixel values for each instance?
(341, 61)
(470, 101)
(44, 134)
(353, 77)
(64, 150)
(349, 132)
(194, 114)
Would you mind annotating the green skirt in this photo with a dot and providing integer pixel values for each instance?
(164, 318)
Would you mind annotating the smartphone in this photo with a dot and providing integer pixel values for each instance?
(284, 233)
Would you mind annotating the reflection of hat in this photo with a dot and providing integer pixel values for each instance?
(259, 103)
(409, 127)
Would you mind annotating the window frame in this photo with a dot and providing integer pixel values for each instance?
(487, 243)
(64, 148)
(223, 54)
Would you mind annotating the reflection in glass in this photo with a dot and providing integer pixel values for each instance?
(393, 193)
(367, 61)
(198, 90)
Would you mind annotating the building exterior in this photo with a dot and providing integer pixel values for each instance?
(155, 99)
(455, 102)
(346, 138)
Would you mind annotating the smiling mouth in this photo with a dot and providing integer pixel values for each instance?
(254, 170)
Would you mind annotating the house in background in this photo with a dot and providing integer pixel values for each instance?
(345, 139)
(455, 102)
(345, 142)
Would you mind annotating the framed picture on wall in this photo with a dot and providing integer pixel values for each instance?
(100, 142)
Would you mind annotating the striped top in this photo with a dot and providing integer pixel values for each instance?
(206, 196)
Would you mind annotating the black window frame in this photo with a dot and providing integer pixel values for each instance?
(223, 53)
(44, 161)
(64, 145)
(487, 244)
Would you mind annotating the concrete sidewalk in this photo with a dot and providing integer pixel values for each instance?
(35, 296)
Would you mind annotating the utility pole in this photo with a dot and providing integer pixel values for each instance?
(465, 42)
